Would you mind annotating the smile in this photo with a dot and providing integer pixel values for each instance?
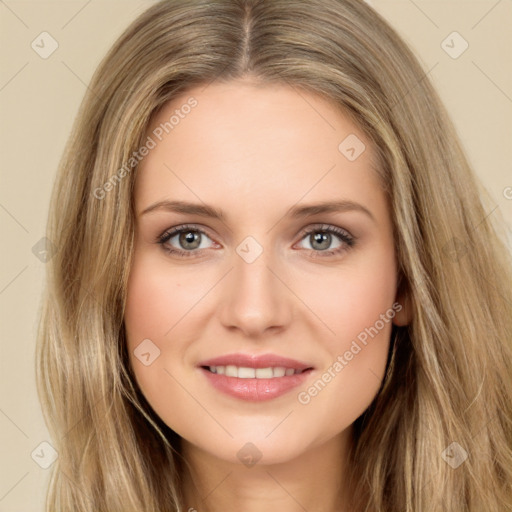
(254, 377)
(253, 373)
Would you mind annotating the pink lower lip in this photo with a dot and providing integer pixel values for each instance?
(255, 390)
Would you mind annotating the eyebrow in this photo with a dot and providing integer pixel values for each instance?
(205, 210)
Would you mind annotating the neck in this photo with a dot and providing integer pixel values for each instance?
(314, 480)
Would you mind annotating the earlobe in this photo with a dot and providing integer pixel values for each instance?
(402, 317)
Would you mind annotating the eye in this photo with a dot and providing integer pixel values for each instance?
(326, 240)
(323, 240)
(184, 240)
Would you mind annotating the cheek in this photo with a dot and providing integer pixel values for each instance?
(162, 313)
(157, 298)
(356, 303)
(156, 301)
(145, 306)
(154, 305)
(351, 297)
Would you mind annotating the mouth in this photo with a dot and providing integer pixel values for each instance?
(255, 378)
(245, 372)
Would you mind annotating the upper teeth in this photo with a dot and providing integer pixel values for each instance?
(251, 373)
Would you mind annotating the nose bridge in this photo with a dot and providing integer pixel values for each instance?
(255, 300)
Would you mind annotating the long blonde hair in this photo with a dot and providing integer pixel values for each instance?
(449, 375)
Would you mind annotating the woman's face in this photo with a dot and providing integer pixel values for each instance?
(285, 251)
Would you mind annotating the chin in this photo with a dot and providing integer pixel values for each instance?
(251, 446)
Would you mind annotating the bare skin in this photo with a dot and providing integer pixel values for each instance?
(255, 152)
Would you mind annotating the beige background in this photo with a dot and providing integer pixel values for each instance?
(39, 99)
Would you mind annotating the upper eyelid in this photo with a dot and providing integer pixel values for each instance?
(325, 227)
(191, 227)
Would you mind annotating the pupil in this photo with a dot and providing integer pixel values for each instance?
(321, 241)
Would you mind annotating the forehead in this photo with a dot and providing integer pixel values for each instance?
(241, 144)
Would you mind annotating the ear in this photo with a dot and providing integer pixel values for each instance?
(403, 310)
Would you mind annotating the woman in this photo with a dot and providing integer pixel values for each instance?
(276, 282)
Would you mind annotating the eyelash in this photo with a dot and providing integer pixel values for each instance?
(347, 239)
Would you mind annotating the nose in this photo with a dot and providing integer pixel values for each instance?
(254, 301)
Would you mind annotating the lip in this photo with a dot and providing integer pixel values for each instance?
(255, 390)
(256, 361)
